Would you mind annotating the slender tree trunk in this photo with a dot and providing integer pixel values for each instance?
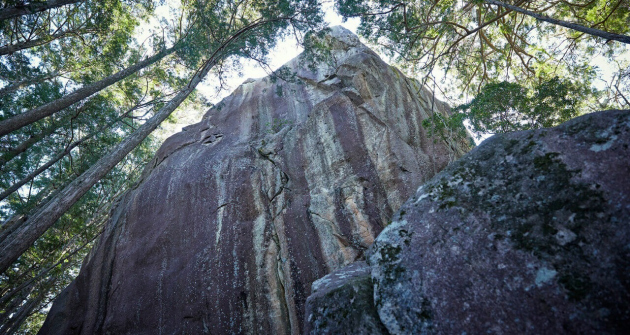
(23, 83)
(58, 157)
(14, 305)
(11, 224)
(15, 244)
(25, 310)
(13, 152)
(574, 26)
(12, 326)
(33, 7)
(11, 48)
(20, 120)
(46, 215)
(16, 221)
(28, 283)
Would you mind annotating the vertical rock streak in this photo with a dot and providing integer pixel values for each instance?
(278, 185)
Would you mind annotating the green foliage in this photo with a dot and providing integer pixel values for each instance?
(445, 127)
(504, 107)
(214, 22)
(99, 45)
(475, 43)
(31, 279)
(318, 49)
(497, 108)
(97, 42)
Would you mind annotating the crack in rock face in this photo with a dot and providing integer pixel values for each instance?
(283, 182)
(526, 234)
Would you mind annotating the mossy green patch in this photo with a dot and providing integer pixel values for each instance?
(402, 213)
(392, 271)
(406, 235)
(577, 285)
(525, 199)
(389, 253)
(548, 162)
(528, 148)
(511, 144)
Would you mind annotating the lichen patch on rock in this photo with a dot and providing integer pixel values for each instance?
(526, 234)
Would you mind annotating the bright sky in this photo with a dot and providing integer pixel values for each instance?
(284, 51)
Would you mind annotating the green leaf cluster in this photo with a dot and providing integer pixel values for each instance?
(83, 43)
(99, 43)
(505, 107)
(473, 43)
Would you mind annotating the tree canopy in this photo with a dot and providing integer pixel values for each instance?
(505, 107)
(80, 97)
(526, 43)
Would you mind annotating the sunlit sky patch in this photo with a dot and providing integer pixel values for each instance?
(284, 51)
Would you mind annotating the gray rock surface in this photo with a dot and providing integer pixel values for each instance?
(529, 233)
(280, 184)
(342, 303)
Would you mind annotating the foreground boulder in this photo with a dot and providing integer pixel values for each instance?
(529, 233)
(342, 303)
(281, 183)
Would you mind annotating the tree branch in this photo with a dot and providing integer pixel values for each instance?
(570, 25)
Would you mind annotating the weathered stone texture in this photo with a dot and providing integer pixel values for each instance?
(280, 184)
(342, 303)
(527, 234)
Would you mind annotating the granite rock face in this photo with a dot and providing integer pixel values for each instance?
(529, 233)
(280, 184)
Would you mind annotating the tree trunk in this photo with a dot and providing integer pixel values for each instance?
(58, 157)
(20, 315)
(580, 28)
(11, 48)
(20, 120)
(16, 221)
(23, 83)
(19, 241)
(12, 224)
(13, 152)
(12, 326)
(32, 281)
(33, 7)
(14, 306)
(15, 244)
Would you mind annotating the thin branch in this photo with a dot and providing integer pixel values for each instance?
(570, 25)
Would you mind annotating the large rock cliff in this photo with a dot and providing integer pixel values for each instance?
(527, 234)
(278, 185)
